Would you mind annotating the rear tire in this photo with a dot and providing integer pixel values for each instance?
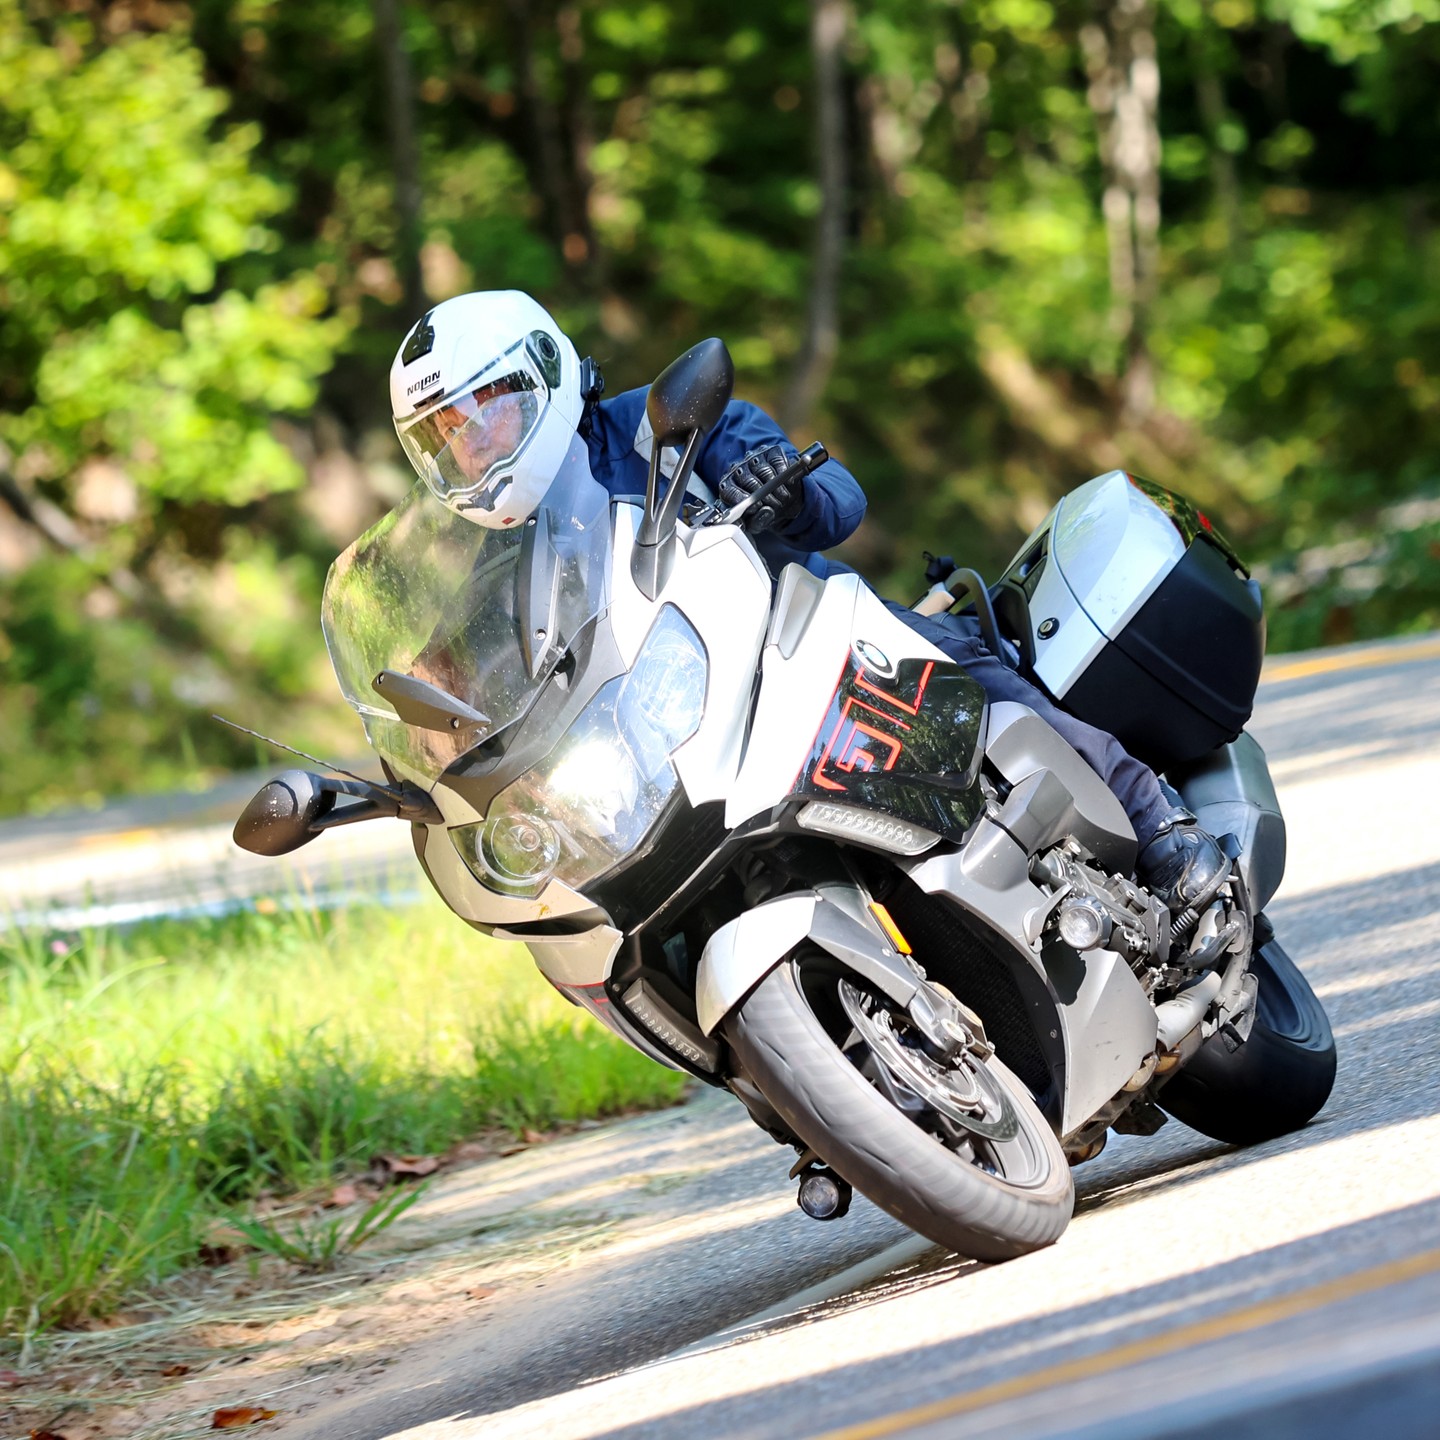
(962, 1201)
(1282, 1075)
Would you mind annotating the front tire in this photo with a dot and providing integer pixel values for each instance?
(1282, 1075)
(989, 1199)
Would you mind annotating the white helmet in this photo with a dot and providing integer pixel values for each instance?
(485, 392)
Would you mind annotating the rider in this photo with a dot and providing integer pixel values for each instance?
(490, 399)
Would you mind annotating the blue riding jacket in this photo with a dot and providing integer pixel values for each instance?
(620, 442)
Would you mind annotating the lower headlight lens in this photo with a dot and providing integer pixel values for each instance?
(512, 852)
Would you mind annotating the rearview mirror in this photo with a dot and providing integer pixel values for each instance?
(281, 817)
(691, 393)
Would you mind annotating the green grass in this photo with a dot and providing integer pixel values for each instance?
(157, 1078)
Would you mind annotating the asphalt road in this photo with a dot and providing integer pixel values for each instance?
(1290, 1289)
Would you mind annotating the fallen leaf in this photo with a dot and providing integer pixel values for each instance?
(480, 1292)
(342, 1195)
(45, 1435)
(415, 1165)
(532, 1137)
(170, 1371)
(233, 1417)
(9, 1379)
(469, 1151)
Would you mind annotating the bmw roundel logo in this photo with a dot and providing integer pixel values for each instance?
(873, 657)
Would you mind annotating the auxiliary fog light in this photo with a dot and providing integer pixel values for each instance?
(1083, 924)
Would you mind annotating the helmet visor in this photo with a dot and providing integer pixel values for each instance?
(464, 445)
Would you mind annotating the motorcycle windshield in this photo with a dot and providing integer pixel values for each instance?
(483, 614)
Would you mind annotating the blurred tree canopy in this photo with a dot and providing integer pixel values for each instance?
(983, 249)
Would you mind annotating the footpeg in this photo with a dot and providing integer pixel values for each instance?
(824, 1195)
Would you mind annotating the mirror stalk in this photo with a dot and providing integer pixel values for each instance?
(293, 808)
(685, 403)
(651, 561)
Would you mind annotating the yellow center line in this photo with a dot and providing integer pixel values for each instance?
(119, 839)
(1351, 660)
(1237, 1322)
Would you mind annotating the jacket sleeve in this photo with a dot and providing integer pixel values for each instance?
(834, 502)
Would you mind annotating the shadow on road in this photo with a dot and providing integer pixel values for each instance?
(612, 1315)
(923, 1373)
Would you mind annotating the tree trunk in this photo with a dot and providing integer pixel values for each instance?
(545, 129)
(400, 118)
(829, 22)
(579, 123)
(1124, 94)
(1210, 100)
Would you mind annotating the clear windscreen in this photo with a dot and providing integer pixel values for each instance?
(481, 613)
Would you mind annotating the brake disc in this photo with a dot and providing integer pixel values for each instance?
(958, 1088)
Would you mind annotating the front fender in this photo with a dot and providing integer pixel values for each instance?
(834, 917)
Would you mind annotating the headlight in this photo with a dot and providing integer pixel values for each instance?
(512, 852)
(667, 686)
(596, 782)
(591, 803)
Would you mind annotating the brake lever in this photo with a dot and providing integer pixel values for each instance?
(804, 463)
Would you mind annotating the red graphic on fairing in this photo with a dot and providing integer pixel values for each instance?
(855, 742)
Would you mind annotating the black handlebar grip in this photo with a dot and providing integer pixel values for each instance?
(809, 459)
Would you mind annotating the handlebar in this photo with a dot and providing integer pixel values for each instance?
(806, 461)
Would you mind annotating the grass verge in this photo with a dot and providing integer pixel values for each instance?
(158, 1078)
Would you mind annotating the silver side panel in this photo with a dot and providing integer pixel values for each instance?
(1065, 656)
(574, 960)
(1110, 547)
(834, 917)
(1020, 744)
(1231, 793)
(1107, 1025)
(1114, 546)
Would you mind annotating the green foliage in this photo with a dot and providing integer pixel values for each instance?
(200, 249)
(97, 1198)
(319, 1245)
(119, 205)
(164, 1076)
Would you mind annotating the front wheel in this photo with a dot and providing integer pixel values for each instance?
(1279, 1078)
(953, 1147)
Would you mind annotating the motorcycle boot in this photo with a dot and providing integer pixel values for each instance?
(1182, 864)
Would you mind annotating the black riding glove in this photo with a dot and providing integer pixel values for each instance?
(746, 476)
(1182, 864)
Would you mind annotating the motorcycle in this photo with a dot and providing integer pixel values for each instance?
(769, 835)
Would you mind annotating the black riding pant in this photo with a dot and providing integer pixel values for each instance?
(1134, 785)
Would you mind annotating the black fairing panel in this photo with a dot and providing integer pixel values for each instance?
(685, 838)
(995, 980)
(907, 746)
(1180, 678)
